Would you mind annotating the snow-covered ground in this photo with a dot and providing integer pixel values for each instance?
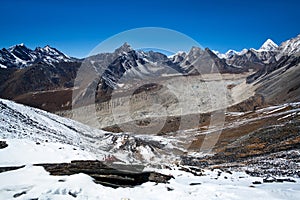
(26, 152)
(35, 136)
(33, 182)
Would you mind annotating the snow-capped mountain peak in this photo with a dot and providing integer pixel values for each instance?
(178, 57)
(194, 53)
(230, 53)
(125, 48)
(179, 53)
(20, 56)
(220, 55)
(243, 51)
(195, 49)
(49, 49)
(268, 45)
(19, 47)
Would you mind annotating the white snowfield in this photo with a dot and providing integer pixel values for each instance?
(46, 138)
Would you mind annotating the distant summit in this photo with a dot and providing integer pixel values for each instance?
(125, 48)
(20, 56)
(269, 45)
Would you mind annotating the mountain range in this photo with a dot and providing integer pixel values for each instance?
(32, 76)
(19, 56)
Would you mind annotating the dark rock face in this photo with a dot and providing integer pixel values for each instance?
(3, 144)
(5, 169)
(118, 176)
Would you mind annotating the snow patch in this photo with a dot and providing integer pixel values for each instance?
(3, 66)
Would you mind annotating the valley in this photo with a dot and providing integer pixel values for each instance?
(131, 119)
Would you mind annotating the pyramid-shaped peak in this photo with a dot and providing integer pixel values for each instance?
(269, 45)
(195, 51)
(124, 48)
(194, 48)
(126, 45)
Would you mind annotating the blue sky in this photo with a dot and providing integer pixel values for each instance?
(76, 27)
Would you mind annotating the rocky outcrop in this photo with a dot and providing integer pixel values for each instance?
(113, 176)
(3, 144)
